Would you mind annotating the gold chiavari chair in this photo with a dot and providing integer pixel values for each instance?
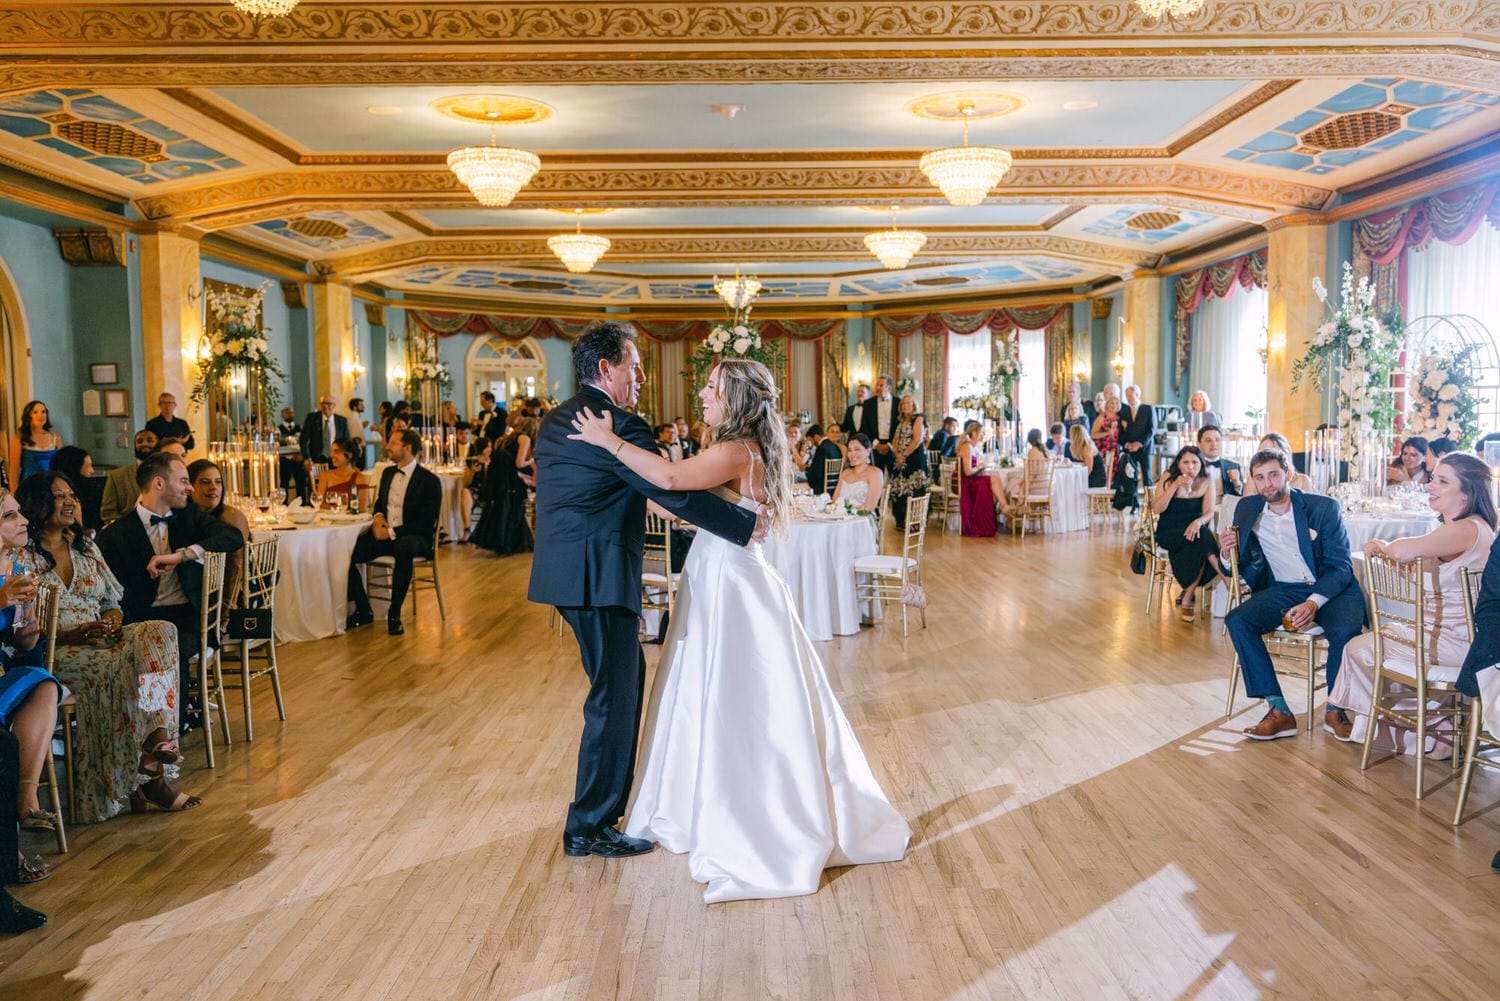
(1036, 500)
(881, 515)
(1477, 739)
(1396, 594)
(886, 578)
(257, 594)
(46, 621)
(1158, 564)
(831, 473)
(1101, 499)
(424, 577)
(658, 582)
(945, 491)
(1307, 642)
(209, 677)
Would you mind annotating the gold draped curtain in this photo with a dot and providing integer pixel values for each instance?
(1219, 281)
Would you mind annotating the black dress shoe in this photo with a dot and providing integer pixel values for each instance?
(1495, 862)
(359, 619)
(608, 843)
(394, 627)
(16, 917)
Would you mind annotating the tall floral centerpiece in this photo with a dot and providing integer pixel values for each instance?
(1356, 353)
(237, 374)
(1441, 401)
(907, 383)
(736, 337)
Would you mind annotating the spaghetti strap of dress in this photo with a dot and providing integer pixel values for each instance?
(754, 458)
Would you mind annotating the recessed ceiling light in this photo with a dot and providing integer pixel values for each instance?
(1080, 105)
(383, 109)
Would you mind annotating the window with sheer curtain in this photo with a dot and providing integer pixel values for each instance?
(1032, 396)
(1226, 357)
(968, 370)
(1444, 279)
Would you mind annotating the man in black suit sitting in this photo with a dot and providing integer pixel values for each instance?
(1231, 478)
(320, 431)
(156, 552)
(405, 527)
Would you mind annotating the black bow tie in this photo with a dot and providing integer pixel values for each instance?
(1211, 462)
(162, 519)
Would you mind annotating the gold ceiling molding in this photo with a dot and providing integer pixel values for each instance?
(690, 25)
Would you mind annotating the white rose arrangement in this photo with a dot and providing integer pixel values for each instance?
(1441, 400)
(238, 347)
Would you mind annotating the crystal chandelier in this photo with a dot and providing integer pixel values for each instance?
(265, 8)
(893, 246)
(965, 174)
(493, 173)
(738, 293)
(578, 250)
(1176, 8)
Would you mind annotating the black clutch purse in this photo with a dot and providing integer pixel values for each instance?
(249, 624)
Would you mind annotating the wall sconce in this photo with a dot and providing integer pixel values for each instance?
(1264, 349)
(1080, 375)
(205, 350)
(398, 376)
(1118, 361)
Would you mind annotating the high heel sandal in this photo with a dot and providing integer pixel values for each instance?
(31, 870)
(1188, 613)
(37, 819)
(161, 797)
(163, 748)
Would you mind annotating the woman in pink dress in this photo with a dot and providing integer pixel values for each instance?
(976, 502)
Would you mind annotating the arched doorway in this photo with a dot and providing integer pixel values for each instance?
(15, 356)
(509, 369)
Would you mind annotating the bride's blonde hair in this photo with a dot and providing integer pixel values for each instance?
(749, 395)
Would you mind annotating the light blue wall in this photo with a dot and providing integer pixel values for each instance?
(44, 285)
(105, 320)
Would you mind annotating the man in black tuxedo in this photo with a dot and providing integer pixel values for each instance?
(685, 438)
(1138, 433)
(855, 414)
(878, 423)
(14, 916)
(156, 552)
(590, 528)
(487, 412)
(405, 527)
(320, 431)
(1231, 478)
(667, 443)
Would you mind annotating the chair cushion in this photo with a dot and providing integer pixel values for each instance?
(882, 564)
(659, 579)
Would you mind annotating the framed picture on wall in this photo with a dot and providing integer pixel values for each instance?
(116, 403)
(104, 374)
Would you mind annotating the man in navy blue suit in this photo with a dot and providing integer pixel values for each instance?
(590, 533)
(1294, 554)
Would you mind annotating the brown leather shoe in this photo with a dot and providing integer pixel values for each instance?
(1274, 725)
(1338, 723)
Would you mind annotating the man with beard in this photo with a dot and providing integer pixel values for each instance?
(120, 490)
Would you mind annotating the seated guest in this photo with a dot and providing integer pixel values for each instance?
(798, 449)
(502, 524)
(1479, 678)
(1463, 495)
(1277, 440)
(976, 500)
(405, 526)
(341, 478)
(1083, 450)
(174, 447)
(14, 916)
(28, 694)
(123, 675)
(476, 466)
(825, 453)
(1411, 465)
(166, 423)
(861, 482)
(120, 490)
(666, 442)
(208, 493)
(1294, 554)
(1200, 415)
(156, 554)
(1038, 467)
(1230, 479)
(78, 466)
(1484, 440)
(1184, 505)
(1057, 441)
(945, 440)
(1436, 449)
(685, 437)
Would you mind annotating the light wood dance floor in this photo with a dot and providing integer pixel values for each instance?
(1087, 826)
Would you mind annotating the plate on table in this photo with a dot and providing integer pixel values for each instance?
(830, 516)
(340, 518)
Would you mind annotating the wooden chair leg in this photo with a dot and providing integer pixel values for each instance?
(275, 672)
(245, 688)
(67, 731)
(205, 695)
(57, 828)
(1471, 745)
(1234, 685)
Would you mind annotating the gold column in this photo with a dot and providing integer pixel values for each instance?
(1296, 252)
(1143, 336)
(172, 323)
(333, 341)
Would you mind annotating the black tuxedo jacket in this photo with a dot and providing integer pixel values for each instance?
(1138, 425)
(943, 443)
(421, 506)
(312, 435)
(591, 512)
(1485, 648)
(1226, 485)
(854, 416)
(869, 422)
(127, 549)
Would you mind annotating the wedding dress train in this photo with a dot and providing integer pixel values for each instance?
(749, 765)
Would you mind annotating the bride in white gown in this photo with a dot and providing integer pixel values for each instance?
(749, 765)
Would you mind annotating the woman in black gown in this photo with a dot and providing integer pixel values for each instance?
(502, 525)
(1184, 506)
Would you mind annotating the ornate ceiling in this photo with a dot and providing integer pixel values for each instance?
(313, 137)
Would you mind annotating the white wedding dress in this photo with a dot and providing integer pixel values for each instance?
(749, 764)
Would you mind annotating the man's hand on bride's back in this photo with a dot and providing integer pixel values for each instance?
(762, 523)
(596, 429)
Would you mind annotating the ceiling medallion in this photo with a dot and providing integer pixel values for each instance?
(737, 292)
(965, 174)
(949, 106)
(493, 173)
(579, 251)
(893, 246)
(492, 109)
(265, 8)
(1176, 8)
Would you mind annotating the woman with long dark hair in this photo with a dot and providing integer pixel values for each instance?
(502, 524)
(1184, 505)
(34, 444)
(78, 466)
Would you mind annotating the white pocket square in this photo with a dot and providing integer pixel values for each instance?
(1312, 533)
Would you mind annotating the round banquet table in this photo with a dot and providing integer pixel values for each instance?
(451, 516)
(816, 560)
(313, 563)
(1387, 525)
(1070, 502)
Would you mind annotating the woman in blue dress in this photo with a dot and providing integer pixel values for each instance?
(32, 449)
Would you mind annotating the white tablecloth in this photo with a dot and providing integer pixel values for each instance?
(1070, 502)
(311, 600)
(451, 517)
(817, 562)
(1387, 526)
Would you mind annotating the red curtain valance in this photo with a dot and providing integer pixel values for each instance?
(1217, 281)
(1451, 217)
(996, 320)
(518, 328)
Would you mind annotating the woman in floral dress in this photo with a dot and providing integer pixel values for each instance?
(123, 677)
(909, 441)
